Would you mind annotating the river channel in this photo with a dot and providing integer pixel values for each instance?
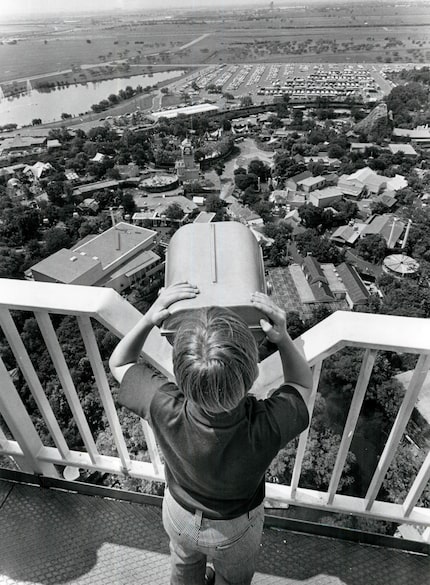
(74, 100)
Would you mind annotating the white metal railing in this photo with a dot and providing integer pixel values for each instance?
(342, 329)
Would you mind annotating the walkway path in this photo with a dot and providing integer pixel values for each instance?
(51, 537)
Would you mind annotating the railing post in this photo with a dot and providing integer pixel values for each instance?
(417, 487)
(388, 454)
(151, 443)
(351, 422)
(30, 375)
(301, 448)
(19, 422)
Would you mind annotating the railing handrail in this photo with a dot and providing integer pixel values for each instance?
(345, 328)
(363, 330)
(103, 304)
(386, 332)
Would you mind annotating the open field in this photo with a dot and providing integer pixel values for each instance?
(338, 33)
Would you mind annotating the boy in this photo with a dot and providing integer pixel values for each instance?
(217, 441)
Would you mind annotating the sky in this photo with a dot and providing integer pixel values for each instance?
(24, 8)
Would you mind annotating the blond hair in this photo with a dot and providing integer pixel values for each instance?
(214, 358)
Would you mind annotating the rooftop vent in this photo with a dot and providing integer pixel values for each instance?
(73, 259)
(95, 257)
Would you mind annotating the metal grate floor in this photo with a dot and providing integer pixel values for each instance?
(52, 537)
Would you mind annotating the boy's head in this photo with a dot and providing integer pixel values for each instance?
(214, 359)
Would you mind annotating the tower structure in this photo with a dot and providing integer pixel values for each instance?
(186, 168)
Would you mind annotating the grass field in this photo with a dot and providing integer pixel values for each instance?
(339, 33)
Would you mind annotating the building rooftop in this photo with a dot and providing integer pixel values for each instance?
(335, 284)
(327, 193)
(302, 285)
(301, 176)
(383, 225)
(187, 111)
(242, 212)
(65, 266)
(369, 178)
(387, 198)
(97, 186)
(310, 181)
(101, 251)
(420, 132)
(407, 149)
(38, 169)
(353, 283)
(346, 233)
(115, 242)
(204, 217)
(138, 263)
(396, 183)
(313, 270)
(156, 205)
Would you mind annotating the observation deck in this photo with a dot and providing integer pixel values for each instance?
(57, 530)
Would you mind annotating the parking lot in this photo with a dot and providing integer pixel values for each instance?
(306, 81)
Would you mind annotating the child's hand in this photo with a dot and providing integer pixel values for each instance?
(275, 326)
(167, 296)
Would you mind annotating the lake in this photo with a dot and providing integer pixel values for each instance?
(74, 100)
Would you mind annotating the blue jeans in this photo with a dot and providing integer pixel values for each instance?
(231, 545)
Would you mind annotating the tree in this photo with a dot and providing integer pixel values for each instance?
(316, 136)
(405, 98)
(11, 263)
(258, 168)
(219, 168)
(310, 242)
(379, 208)
(214, 204)
(275, 122)
(319, 313)
(174, 211)
(397, 481)
(295, 324)
(127, 201)
(243, 180)
(311, 215)
(336, 151)
(113, 98)
(346, 209)
(246, 101)
(282, 228)
(250, 196)
(55, 239)
(318, 461)
(278, 251)
(298, 118)
(406, 297)
(19, 225)
(264, 209)
(281, 105)
(372, 248)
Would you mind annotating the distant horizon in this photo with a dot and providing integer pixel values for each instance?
(22, 9)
